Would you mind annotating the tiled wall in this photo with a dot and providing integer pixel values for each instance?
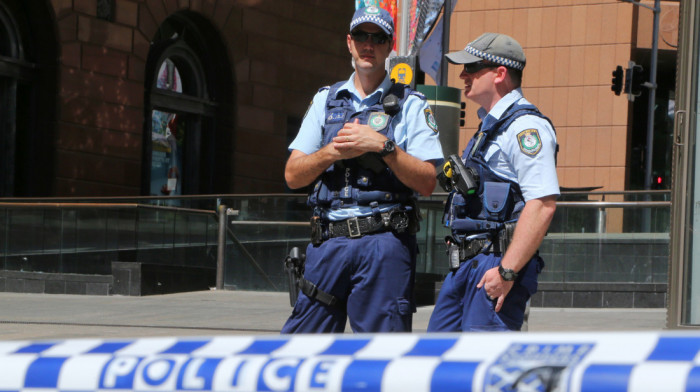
(572, 47)
(627, 258)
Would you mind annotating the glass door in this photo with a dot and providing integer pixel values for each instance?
(684, 275)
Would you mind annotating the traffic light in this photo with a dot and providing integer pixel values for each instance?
(462, 105)
(637, 81)
(634, 80)
(617, 80)
(659, 182)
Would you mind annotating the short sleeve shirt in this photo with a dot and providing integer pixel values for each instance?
(525, 152)
(413, 130)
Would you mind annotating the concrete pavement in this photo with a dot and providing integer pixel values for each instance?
(214, 313)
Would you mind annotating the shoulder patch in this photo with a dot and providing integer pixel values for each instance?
(530, 142)
(430, 120)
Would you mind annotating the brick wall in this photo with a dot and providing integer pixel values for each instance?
(572, 47)
(280, 53)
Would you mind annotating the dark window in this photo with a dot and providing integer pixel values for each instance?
(181, 112)
(27, 87)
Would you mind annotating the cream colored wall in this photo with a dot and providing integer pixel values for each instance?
(572, 47)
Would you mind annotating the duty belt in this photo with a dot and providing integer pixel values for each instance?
(468, 248)
(395, 220)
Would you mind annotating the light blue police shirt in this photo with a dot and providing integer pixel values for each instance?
(510, 157)
(411, 132)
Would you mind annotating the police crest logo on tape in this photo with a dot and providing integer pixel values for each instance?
(520, 363)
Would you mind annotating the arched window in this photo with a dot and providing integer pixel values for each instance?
(27, 83)
(181, 111)
(10, 72)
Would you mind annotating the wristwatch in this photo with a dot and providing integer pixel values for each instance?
(507, 274)
(389, 147)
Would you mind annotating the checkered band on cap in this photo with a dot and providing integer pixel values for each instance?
(495, 59)
(376, 16)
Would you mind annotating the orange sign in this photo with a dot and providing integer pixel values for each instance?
(402, 73)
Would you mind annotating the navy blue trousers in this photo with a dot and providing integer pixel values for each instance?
(372, 277)
(463, 307)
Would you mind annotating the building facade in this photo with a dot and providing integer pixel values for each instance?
(164, 97)
(572, 47)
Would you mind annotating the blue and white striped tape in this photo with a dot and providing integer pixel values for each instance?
(585, 362)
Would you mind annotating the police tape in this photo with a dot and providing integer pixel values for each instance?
(615, 361)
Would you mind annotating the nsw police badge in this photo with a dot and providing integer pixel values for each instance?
(378, 121)
(530, 142)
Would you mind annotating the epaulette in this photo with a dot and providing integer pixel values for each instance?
(418, 94)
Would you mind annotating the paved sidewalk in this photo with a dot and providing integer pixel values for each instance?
(213, 313)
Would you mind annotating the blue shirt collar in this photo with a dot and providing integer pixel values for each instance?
(499, 108)
(349, 85)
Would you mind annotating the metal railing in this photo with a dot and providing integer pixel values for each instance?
(594, 237)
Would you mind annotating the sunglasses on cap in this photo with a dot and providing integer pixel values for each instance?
(478, 66)
(362, 36)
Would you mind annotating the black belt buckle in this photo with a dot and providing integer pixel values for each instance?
(316, 230)
(399, 221)
(353, 227)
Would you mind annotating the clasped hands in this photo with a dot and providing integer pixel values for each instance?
(355, 139)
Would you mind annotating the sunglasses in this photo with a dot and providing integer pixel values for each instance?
(478, 66)
(362, 36)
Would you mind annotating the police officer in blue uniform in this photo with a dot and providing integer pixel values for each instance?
(498, 223)
(367, 146)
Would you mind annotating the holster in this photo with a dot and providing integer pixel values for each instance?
(294, 265)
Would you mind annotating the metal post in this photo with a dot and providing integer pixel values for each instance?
(652, 97)
(404, 13)
(446, 14)
(651, 85)
(646, 216)
(221, 247)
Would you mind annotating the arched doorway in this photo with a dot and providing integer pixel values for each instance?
(27, 98)
(187, 79)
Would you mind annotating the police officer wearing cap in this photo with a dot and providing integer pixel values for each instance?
(367, 146)
(497, 229)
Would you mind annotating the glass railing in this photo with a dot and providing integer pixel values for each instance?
(86, 237)
(594, 237)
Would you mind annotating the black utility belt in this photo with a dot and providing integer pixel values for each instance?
(498, 242)
(396, 220)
